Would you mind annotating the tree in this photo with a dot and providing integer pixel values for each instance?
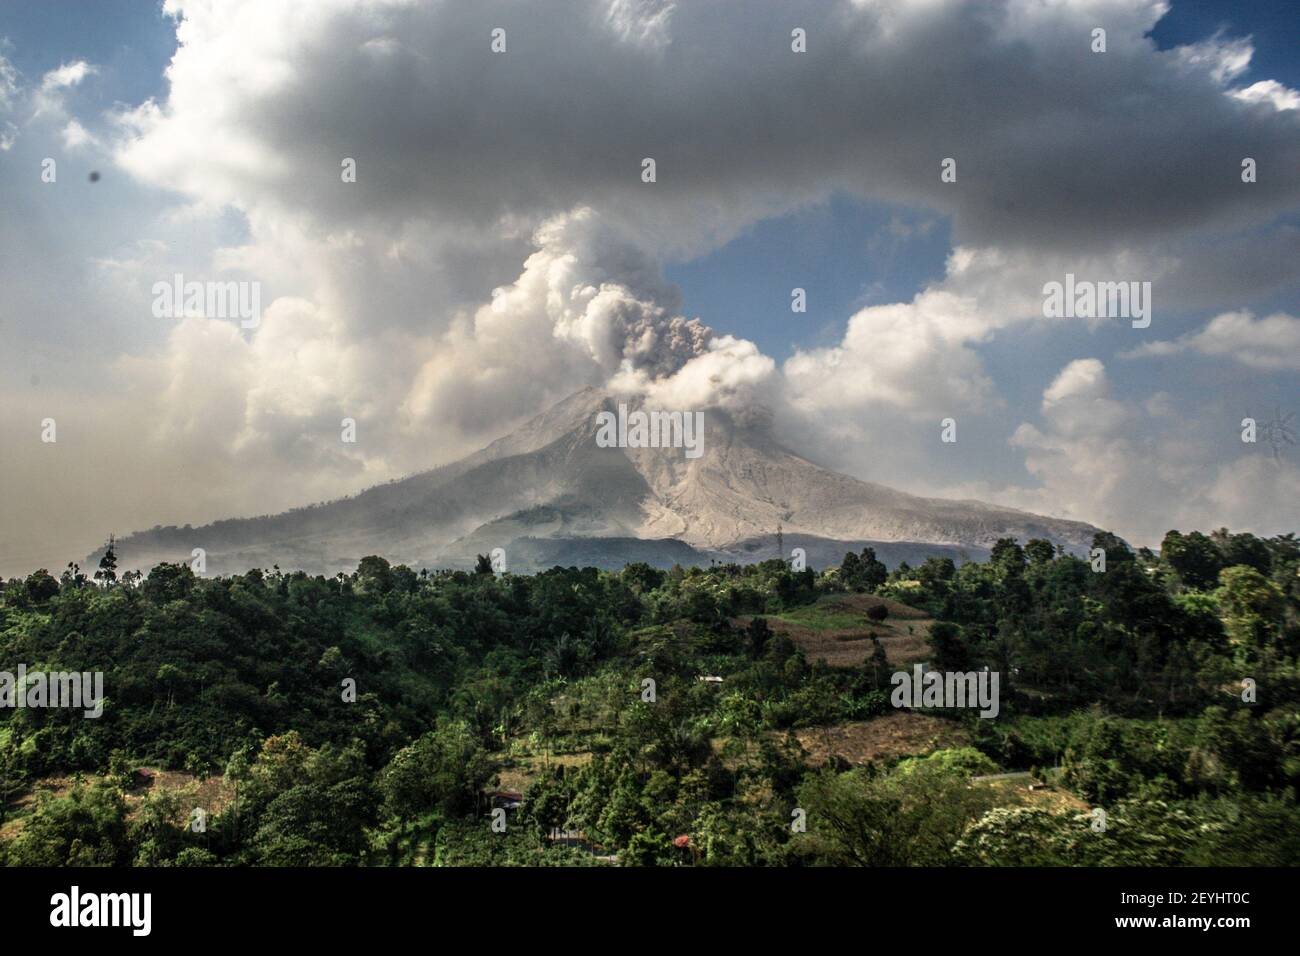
(315, 824)
(874, 572)
(1039, 551)
(374, 575)
(642, 578)
(948, 647)
(197, 765)
(851, 572)
(1117, 552)
(41, 586)
(1138, 833)
(1252, 605)
(1194, 557)
(238, 770)
(107, 572)
(121, 770)
(1243, 549)
(649, 847)
(85, 828)
(741, 720)
(72, 576)
(757, 636)
(169, 582)
(877, 664)
(966, 761)
(1007, 556)
(864, 572)
(157, 831)
(443, 771)
(899, 818)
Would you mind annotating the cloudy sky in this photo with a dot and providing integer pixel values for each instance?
(499, 249)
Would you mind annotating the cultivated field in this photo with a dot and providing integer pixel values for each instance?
(836, 629)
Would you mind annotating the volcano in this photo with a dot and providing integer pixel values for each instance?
(550, 493)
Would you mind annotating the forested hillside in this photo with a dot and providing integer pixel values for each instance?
(381, 717)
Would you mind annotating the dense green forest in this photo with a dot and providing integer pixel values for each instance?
(367, 719)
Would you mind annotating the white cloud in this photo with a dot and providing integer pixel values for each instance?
(1223, 58)
(1125, 466)
(641, 22)
(48, 97)
(75, 136)
(726, 119)
(8, 92)
(67, 75)
(914, 358)
(1270, 91)
(8, 85)
(1271, 343)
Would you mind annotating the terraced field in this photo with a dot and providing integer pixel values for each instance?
(836, 629)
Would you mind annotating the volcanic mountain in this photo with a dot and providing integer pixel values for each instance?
(549, 494)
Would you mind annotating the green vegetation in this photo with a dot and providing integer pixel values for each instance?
(655, 717)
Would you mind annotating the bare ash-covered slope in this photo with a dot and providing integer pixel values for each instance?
(547, 492)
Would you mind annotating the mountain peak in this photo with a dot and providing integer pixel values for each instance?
(549, 479)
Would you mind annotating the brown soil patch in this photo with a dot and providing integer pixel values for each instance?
(1016, 793)
(900, 734)
(212, 794)
(526, 769)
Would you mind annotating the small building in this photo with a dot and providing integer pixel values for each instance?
(687, 846)
(504, 799)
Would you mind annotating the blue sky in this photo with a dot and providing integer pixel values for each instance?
(1272, 24)
(130, 40)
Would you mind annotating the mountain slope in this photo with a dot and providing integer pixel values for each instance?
(549, 481)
